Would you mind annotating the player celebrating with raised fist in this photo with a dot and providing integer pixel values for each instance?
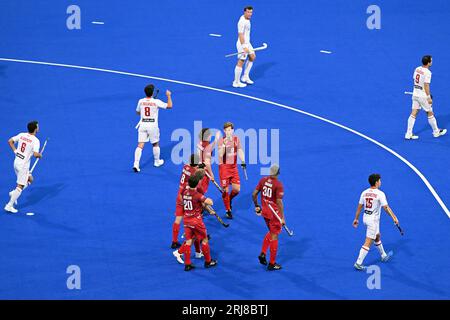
(147, 109)
(245, 49)
(27, 145)
(372, 200)
(229, 148)
(272, 193)
(422, 99)
(205, 149)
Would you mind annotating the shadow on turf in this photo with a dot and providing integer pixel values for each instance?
(442, 121)
(259, 70)
(37, 194)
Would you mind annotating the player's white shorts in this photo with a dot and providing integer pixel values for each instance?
(421, 103)
(22, 172)
(239, 47)
(373, 228)
(148, 134)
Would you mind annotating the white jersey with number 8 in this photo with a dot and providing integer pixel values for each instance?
(148, 108)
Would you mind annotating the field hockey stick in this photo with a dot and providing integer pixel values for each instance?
(264, 46)
(214, 182)
(245, 173)
(289, 232)
(211, 211)
(37, 160)
(399, 229)
(154, 97)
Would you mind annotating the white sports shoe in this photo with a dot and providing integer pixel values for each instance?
(158, 163)
(136, 169)
(239, 84)
(411, 137)
(177, 255)
(199, 255)
(441, 132)
(247, 80)
(10, 209)
(15, 202)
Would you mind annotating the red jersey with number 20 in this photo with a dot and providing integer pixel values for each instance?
(271, 190)
(192, 205)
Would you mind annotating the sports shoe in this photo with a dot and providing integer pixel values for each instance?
(411, 137)
(177, 255)
(387, 257)
(10, 209)
(10, 193)
(175, 245)
(229, 215)
(210, 264)
(441, 132)
(189, 267)
(158, 163)
(359, 267)
(247, 80)
(273, 267)
(239, 84)
(199, 255)
(262, 258)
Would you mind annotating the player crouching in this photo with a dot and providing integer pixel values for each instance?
(194, 227)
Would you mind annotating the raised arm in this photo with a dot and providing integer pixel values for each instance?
(169, 99)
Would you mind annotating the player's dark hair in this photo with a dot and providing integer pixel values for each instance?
(193, 181)
(426, 60)
(200, 174)
(32, 126)
(248, 8)
(195, 160)
(205, 133)
(227, 125)
(149, 90)
(373, 178)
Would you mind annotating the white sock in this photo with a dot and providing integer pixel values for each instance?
(362, 255)
(137, 156)
(380, 248)
(237, 74)
(411, 121)
(156, 153)
(248, 67)
(14, 196)
(433, 123)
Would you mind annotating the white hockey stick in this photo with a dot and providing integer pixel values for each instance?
(290, 232)
(264, 46)
(37, 160)
(138, 124)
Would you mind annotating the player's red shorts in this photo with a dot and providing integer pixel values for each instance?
(179, 206)
(228, 175)
(274, 225)
(195, 229)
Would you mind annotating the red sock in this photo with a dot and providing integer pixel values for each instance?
(205, 250)
(273, 250)
(175, 231)
(233, 194)
(266, 243)
(197, 245)
(226, 200)
(187, 254)
(182, 248)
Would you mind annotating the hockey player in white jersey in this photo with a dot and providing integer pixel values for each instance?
(372, 200)
(422, 99)
(243, 45)
(147, 109)
(27, 146)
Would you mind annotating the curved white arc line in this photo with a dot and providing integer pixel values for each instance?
(409, 164)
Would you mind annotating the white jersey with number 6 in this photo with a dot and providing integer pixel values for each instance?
(372, 200)
(148, 108)
(27, 144)
(421, 76)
